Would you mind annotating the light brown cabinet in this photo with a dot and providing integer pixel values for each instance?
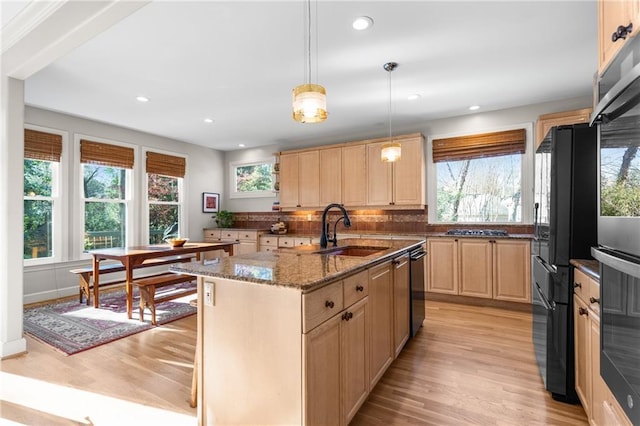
(300, 179)
(354, 175)
(547, 121)
(401, 302)
(613, 14)
(330, 176)
(381, 352)
(478, 267)
(598, 402)
(247, 240)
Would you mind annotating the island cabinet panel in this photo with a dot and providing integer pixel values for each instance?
(476, 267)
(250, 353)
(401, 303)
(354, 175)
(442, 256)
(330, 176)
(381, 324)
(354, 345)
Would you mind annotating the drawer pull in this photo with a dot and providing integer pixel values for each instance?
(329, 304)
(347, 316)
(359, 288)
(594, 300)
(621, 32)
(583, 311)
(576, 285)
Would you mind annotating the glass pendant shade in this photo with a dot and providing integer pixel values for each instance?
(390, 152)
(309, 103)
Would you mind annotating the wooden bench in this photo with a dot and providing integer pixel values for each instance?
(148, 285)
(85, 274)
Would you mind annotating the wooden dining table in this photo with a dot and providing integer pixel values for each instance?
(143, 256)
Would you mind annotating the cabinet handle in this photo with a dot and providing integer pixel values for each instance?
(347, 316)
(621, 32)
(594, 300)
(329, 304)
(583, 311)
(576, 285)
(359, 288)
(395, 262)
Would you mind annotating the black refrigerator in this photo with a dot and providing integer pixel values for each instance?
(565, 228)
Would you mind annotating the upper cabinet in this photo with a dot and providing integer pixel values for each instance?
(353, 174)
(547, 121)
(618, 20)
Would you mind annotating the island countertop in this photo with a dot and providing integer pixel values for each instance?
(297, 267)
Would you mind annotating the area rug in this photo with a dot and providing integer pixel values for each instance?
(72, 327)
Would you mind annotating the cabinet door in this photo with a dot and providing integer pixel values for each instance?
(354, 175)
(330, 176)
(442, 256)
(245, 247)
(288, 180)
(582, 349)
(354, 358)
(598, 386)
(408, 174)
(512, 270)
(400, 303)
(612, 14)
(476, 267)
(379, 185)
(321, 371)
(308, 179)
(381, 324)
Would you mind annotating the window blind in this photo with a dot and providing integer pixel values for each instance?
(106, 154)
(42, 146)
(480, 145)
(166, 165)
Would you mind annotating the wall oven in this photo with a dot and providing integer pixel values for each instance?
(618, 117)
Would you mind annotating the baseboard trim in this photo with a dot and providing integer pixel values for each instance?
(478, 301)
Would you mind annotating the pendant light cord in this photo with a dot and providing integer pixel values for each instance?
(389, 67)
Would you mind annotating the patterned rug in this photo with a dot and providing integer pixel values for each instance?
(72, 327)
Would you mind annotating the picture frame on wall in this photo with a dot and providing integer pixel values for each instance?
(210, 202)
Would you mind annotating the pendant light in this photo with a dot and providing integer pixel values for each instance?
(309, 100)
(391, 151)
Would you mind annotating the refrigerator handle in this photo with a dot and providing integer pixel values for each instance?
(536, 206)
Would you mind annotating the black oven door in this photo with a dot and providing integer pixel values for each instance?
(620, 328)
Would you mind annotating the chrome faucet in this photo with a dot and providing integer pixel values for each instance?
(324, 236)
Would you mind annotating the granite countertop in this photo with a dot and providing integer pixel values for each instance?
(297, 267)
(588, 266)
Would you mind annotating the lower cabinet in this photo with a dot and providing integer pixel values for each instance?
(381, 323)
(247, 240)
(401, 303)
(478, 267)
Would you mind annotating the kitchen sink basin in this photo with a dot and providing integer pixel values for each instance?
(357, 251)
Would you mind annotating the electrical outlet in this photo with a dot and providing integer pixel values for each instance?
(208, 293)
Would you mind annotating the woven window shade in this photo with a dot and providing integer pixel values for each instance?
(166, 165)
(42, 146)
(478, 146)
(105, 154)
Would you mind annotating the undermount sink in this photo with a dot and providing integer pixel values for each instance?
(356, 251)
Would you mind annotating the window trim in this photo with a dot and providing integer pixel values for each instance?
(130, 201)
(233, 193)
(182, 193)
(526, 177)
(59, 195)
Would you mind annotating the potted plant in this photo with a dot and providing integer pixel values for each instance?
(224, 219)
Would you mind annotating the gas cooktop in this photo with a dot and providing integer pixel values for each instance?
(479, 232)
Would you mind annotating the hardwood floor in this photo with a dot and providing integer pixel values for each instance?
(468, 366)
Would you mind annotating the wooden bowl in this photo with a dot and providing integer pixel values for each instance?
(177, 242)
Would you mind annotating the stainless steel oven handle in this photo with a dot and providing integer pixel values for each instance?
(546, 304)
(617, 263)
(610, 97)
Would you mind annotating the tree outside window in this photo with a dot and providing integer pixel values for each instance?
(164, 207)
(38, 208)
(252, 179)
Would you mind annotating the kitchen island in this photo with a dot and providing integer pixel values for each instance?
(296, 336)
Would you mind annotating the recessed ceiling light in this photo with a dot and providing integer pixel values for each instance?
(142, 99)
(362, 23)
(241, 145)
(474, 107)
(208, 120)
(414, 96)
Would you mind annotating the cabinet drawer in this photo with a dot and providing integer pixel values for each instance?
(320, 305)
(286, 242)
(211, 234)
(229, 235)
(248, 235)
(302, 241)
(268, 248)
(356, 287)
(268, 241)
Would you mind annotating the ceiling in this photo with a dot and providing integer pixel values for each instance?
(236, 62)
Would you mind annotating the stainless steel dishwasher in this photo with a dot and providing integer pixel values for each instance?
(417, 281)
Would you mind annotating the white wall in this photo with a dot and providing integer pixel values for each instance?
(205, 173)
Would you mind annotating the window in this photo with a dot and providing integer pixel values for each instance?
(41, 196)
(478, 178)
(252, 179)
(165, 175)
(106, 176)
